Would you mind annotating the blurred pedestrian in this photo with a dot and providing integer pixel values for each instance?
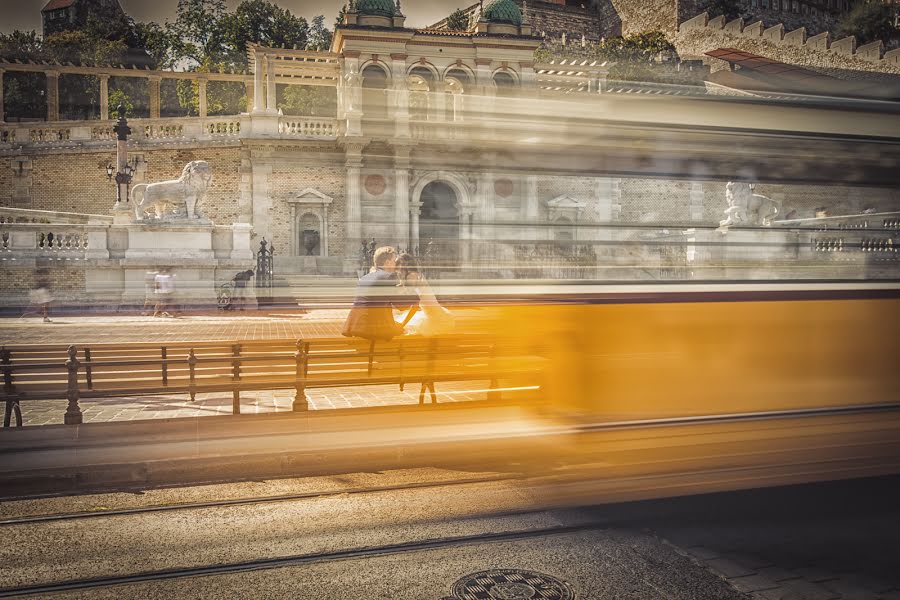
(40, 297)
(165, 291)
(241, 280)
(149, 291)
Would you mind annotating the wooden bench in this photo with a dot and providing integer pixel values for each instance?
(121, 370)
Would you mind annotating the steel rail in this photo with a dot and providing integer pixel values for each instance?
(301, 559)
(30, 520)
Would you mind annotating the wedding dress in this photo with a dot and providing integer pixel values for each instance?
(431, 318)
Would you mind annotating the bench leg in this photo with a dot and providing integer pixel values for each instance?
(7, 415)
(422, 394)
(433, 393)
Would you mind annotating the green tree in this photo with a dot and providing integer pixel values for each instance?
(313, 100)
(458, 21)
(318, 38)
(730, 8)
(869, 21)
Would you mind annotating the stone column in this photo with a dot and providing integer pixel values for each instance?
(104, 97)
(439, 97)
(2, 111)
(415, 208)
(401, 195)
(52, 95)
(400, 95)
(271, 103)
(201, 94)
(249, 92)
(154, 81)
(530, 208)
(483, 75)
(258, 74)
(354, 207)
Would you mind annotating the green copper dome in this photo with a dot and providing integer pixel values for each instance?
(502, 11)
(383, 8)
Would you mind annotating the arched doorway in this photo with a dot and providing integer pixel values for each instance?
(439, 243)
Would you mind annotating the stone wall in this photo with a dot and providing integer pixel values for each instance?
(76, 182)
(287, 180)
(840, 58)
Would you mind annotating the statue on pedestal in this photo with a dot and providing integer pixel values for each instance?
(176, 199)
(747, 208)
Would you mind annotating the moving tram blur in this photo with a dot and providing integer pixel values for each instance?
(682, 357)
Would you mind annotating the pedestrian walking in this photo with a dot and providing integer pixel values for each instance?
(40, 297)
(241, 280)
(165, 292)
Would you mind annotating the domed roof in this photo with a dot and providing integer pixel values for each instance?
(502, 11)
(384, 8)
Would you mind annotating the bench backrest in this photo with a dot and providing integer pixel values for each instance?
(144, 368)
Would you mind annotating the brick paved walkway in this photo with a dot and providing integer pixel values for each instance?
(221, 326)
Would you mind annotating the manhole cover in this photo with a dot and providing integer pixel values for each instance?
(511, 584)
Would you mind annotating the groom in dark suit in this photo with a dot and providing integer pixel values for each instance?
(377, 293)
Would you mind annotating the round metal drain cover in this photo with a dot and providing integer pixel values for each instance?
(511, 584)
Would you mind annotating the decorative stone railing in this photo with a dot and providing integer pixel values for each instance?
(27, 215)
(308, 127)
(72, 133)
(52, 242)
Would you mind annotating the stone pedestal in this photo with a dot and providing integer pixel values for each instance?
(169, 242)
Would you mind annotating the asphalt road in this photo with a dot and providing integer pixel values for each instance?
(343, 539)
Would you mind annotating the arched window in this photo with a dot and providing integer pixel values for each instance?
(418, 98)
(504, 83)
(454, 90)
(374, 84)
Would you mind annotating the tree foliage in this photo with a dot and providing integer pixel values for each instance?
(458, 21)
(869, 21)
(730, 8)
(205, 37)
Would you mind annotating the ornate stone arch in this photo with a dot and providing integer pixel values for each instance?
(508, 71)
(376, 63)
(454, 180)
(470, 73)
(436, 76)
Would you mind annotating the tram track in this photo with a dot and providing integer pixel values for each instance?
(312, 495)
(361, 552)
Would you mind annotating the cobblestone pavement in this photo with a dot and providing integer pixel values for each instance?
(828, 541)
(214, 326)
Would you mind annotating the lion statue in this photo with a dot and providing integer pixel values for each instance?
(747, 208)
(184, 195)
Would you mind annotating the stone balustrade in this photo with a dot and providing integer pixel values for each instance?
(308, 127)
(27, 215)
(52, 242)
(75, 133)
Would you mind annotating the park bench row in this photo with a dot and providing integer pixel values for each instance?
(121, 370)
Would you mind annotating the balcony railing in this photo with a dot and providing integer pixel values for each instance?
(73, 133)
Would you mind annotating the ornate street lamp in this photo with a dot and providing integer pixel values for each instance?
(124, 170)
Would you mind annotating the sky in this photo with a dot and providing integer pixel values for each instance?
(26, 14)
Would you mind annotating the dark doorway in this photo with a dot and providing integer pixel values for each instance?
(439, 244)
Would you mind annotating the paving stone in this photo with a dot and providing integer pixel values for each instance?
(750, 561)
(801, 589)
(729, 568)
(752, 583)
(852, 587)
(815, 574)
(778, 573)
(704, 553)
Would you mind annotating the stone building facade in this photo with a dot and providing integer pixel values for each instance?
(458, 146)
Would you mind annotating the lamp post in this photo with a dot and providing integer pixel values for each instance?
(124, 170)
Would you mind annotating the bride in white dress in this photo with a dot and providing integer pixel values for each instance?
(430, 318)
